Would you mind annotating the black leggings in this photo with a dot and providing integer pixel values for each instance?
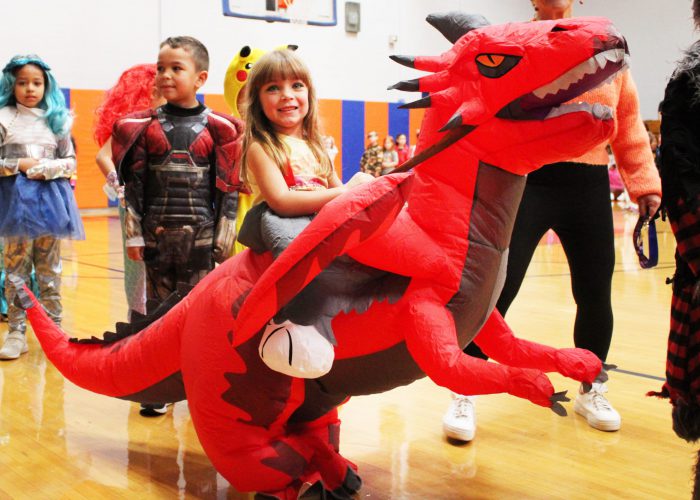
(573, 200)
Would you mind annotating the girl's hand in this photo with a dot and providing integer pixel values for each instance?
(27, 163)
(135, 253)
(358, 178)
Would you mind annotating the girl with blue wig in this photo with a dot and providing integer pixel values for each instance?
(37, 206)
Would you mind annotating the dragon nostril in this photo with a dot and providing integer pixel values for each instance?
(559, 28)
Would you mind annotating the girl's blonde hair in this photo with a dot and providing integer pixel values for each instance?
(280, 64)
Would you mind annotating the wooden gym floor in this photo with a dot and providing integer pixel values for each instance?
(58, 441)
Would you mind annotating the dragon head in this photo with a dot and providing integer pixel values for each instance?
(510, 87)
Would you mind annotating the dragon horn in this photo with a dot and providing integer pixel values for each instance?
(422, 63)
(408, 61)
(429, 83)
(454, 25)
(407, 85)
(436, 99)
(425, 102)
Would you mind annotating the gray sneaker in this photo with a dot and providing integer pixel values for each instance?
(15, 345)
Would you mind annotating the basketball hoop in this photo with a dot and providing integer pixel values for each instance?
(311, 12)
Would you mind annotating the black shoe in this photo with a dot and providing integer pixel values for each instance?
(150, 410)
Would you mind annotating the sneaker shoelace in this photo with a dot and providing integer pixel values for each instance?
(462, 408)
(599, 401)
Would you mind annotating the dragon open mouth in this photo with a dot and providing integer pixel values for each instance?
(549, 100)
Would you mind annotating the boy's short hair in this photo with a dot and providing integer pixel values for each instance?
(200, 54)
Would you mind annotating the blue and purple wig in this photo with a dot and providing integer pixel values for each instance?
(58, 117)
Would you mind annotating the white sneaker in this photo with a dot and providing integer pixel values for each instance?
(596, 408)
(15, 345)
(296, 350)
(460, 420)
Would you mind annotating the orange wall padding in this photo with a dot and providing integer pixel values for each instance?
(217, 103)
(88, 190)
(377, 118)
(331, 111)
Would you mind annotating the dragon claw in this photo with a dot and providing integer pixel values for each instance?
(556, 399)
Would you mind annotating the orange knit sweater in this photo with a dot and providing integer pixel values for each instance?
(629, 139)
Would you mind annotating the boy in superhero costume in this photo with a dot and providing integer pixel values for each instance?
(178, 164)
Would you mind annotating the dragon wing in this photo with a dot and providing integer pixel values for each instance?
(346, 222)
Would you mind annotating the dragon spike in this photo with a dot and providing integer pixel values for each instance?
(435, 82)
(407, 85)
(454, 122)
(425, 102)
(429, 83)
(408, 61)
(454, 25)
(422, 63)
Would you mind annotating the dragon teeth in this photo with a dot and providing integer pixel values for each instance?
(588, 67)
(598, 110)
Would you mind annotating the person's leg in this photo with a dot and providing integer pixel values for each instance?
(586, 233)
(18, 264)
(134, 276)
(47, 266)
(531, 223)
(3, 302)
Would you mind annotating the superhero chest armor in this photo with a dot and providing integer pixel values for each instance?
(179, 181)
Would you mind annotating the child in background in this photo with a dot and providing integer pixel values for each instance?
(177, 164)
(331, 148)
(37, 206)
(402, 148)
(371, 161)
(134, 91)
(390, 158)
(286, 166)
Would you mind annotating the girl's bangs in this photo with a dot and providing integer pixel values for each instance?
(284, 67)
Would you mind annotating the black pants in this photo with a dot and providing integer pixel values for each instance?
(573, 200)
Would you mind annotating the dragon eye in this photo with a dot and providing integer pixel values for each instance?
(490, 60)
(496, 65)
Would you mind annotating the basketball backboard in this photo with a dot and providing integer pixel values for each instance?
(313, 12)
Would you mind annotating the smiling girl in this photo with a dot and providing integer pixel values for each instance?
(286, 166)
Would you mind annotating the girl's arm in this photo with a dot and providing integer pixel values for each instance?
(106, 165)
(104, 158)
(276, 193)
(62, 166)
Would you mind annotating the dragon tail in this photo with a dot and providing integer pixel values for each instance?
(141, 366)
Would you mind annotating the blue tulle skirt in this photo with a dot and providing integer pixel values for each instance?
(32, 208)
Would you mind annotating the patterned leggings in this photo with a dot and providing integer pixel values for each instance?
(44, 254)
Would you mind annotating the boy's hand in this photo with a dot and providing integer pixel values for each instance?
(359, 178)
(135, 253)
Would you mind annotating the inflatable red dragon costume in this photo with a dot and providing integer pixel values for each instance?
(424, 254)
